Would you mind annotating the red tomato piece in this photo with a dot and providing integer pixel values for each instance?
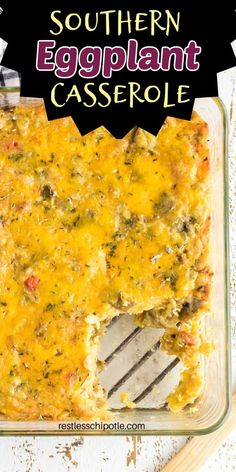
(31, 283)
(188, 338)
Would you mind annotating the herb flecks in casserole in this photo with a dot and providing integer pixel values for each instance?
(91, 227)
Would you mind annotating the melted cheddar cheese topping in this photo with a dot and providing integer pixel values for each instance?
(91, 227)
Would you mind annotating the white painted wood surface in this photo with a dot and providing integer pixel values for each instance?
(143, 454)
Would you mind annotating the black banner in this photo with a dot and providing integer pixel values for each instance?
(118, 64)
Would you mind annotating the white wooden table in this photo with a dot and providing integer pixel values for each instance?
(129, 454)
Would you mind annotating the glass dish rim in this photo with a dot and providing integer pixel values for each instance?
(227, 353)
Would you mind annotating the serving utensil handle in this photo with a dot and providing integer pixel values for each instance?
(199, 449)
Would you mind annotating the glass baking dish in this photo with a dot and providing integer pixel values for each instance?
(131, 360)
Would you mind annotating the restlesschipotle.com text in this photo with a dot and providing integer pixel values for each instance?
(99, 426)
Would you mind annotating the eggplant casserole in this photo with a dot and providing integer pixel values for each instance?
(91, 227)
